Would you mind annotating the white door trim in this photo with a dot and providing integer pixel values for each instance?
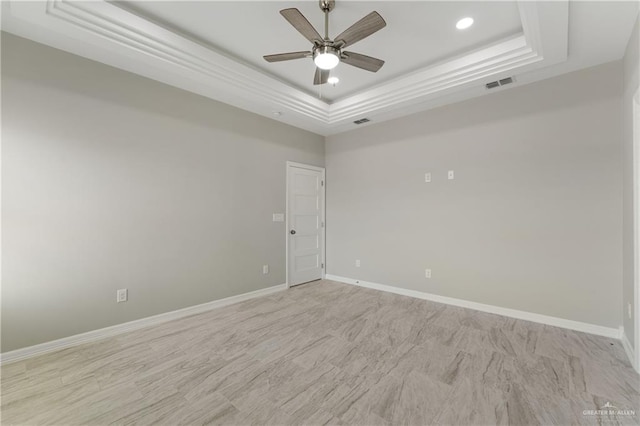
(324, 227)
(636, 225)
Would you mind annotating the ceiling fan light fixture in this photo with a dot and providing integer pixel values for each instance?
(326, 57)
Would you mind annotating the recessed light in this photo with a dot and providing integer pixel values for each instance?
(333, 80)
(464, 23)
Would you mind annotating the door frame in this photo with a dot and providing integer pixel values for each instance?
(323, 191)
(635, 123)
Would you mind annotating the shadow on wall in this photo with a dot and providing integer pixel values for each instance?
(99, 81)
(505, 107)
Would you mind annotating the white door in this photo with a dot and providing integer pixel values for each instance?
(305, 223)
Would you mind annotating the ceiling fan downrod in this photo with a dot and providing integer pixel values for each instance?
(327, 6)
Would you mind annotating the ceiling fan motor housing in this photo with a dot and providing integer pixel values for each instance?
(326, 48)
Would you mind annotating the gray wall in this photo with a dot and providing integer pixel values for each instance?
(111, 180)
(532, 221)
(631, 71)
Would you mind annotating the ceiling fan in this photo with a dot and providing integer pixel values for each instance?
(327, 53)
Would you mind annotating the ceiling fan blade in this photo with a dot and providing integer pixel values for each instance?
(300, 23)
(286, 56)
(361, 29)
(321, 76)
(362, 61)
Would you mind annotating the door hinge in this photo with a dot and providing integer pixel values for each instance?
(321, 183)
(322, 266)
(322, 224)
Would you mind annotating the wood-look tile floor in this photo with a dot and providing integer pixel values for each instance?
(329, 353)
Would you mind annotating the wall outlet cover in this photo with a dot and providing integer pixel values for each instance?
(122, 295)
(278, 217)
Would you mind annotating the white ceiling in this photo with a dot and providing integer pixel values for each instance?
(215, 49)
(417, 35)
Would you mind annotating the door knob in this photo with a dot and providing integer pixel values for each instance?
(293, 232)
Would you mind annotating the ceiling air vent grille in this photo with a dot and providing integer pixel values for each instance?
(362, 121)
(499, 83)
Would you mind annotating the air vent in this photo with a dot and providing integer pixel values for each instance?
(362, 121)
(499, 83)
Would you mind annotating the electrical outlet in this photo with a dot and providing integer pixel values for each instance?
(629, 310)
(357, 263)
(278, 217)
(427, 273)
(450, 175)
(265, 269)
(427, 177)
(122, 295)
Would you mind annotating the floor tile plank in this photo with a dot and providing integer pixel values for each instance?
(328, 353)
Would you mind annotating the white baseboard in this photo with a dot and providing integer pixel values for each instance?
(91, 336)
(628, 348)
(513, 313)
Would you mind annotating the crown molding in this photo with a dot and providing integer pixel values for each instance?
(499, 58)
(104, 32)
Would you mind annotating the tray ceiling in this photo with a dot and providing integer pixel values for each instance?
(418, 34)
(215, 49)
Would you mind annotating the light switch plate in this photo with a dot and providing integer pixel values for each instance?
(278, 217)
(427, 177)
(450, 175)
